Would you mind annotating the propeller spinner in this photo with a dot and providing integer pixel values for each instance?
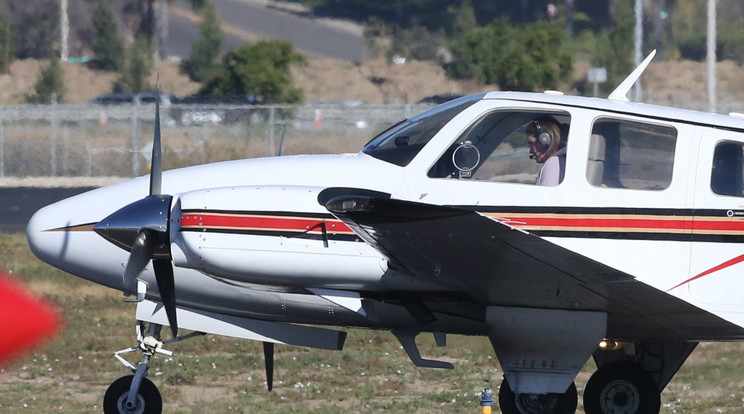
(143, 229)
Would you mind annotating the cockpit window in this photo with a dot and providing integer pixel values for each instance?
(400, 143)
(496, 148)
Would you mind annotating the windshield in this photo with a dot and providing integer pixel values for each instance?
(402, 141)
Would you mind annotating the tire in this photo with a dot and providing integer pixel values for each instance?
(511, 403)
(149, 400)
(621, 387)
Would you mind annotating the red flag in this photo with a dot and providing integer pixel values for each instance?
(25, 320)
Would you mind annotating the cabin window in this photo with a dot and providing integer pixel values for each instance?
(726, 177)
(495, 148)
(632, 155)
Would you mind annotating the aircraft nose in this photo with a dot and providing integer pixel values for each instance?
(47, 237)
(61, 236)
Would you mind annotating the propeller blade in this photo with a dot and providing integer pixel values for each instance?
(142, 251)
(156, 167)
(268, 348)
(167, 289)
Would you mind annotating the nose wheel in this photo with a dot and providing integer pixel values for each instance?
(147, 399)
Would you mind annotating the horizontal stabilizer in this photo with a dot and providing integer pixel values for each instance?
(245, 328)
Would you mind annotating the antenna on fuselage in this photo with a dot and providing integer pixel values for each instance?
(621, 92)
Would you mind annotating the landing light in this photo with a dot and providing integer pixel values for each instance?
(609, 345)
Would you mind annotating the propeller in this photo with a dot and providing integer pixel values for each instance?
(142, 228)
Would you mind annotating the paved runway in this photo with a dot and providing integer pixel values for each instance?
(18, 204)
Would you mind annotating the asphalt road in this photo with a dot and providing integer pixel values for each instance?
(18, 204)
(245, 21)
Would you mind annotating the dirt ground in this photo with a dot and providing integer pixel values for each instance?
(378, 82)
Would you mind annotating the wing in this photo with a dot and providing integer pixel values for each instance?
(496, 264)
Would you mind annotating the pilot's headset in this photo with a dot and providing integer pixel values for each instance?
(548, 134)
(543, 135)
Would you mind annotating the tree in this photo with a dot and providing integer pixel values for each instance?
(205, 50)
(197, 5)
(50, 85)
(107, 45)
(614, 49)
(261, 70)
(6, 45)
(35, 27)
(515, 59)
(137, 67)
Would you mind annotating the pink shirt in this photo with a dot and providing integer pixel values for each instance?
(553, 170)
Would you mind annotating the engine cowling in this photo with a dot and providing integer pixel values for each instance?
(271, 235)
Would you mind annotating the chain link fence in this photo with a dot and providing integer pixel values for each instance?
(116, 141)
(97, 141)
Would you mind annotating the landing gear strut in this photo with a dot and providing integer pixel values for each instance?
(511, 403)
(135, 394)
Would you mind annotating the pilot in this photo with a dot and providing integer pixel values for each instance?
(547, 148)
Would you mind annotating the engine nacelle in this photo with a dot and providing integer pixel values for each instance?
(270, 235)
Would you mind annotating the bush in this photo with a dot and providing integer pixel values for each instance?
(261, 70)
(137, 68)
(50, 86)
(614, 49)
(416, 43)
(515, 59)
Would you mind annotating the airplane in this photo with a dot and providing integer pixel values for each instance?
(437, 226)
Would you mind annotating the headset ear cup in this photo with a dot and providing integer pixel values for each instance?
(544, 137)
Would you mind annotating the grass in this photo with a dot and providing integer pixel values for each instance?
(224, 375)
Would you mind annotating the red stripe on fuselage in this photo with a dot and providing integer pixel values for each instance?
(674, 224)
(721, 266)
(258, 222)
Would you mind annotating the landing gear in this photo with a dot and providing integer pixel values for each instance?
(135, 394)
(511, 403)
(621, 388)
(147, 399)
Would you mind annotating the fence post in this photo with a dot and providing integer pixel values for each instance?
(271, 131)
(88, 159)
(53, 143)
(65, 149)
(135, 140)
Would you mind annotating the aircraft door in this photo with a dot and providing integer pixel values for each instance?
(717, 256)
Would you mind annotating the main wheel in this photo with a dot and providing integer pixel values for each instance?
(621, 388)
(148, 398)
(511, 403)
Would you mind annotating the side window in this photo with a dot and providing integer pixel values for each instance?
(726, 177)
(633, 155)
(496, 148)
